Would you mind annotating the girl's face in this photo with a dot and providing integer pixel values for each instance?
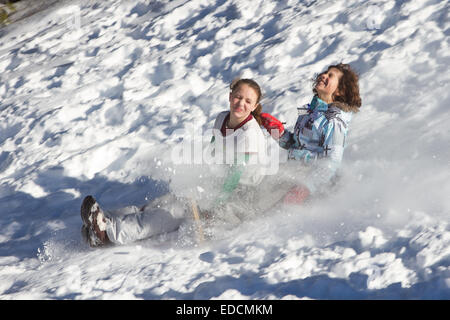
(327, 84)
(243, 100)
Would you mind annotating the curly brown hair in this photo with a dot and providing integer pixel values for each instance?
(348, 86)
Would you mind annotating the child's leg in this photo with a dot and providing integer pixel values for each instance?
(163, 215)
(123, 211)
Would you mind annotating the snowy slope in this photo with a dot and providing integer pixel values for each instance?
(91, 93)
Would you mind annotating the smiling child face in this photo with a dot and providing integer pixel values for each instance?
(327, 84)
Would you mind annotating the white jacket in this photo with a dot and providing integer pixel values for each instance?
(232, 149)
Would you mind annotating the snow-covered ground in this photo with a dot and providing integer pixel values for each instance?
(91, 93)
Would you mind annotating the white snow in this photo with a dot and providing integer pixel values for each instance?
(94, 95)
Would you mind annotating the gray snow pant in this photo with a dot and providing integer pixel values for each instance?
(249, 202)
(165, 214)
(162, 215)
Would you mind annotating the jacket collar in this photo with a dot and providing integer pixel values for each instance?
(319, 105)
(345, 107)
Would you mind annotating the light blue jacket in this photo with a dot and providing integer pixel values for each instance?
(319, 139)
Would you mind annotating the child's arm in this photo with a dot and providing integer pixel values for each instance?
(276, 129)
(286, 140)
